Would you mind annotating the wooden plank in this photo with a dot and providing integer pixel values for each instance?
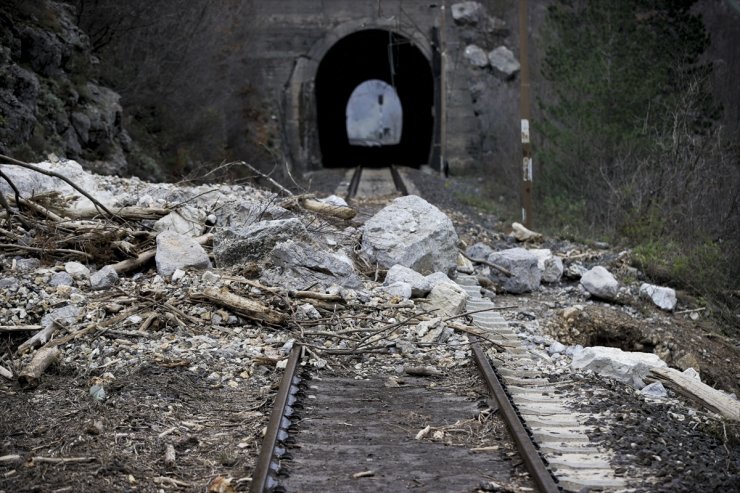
(700, 392)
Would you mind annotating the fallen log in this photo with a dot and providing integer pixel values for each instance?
(5, 373)
(697, 391)
(240, 305)
(328, 209)
(30, 376)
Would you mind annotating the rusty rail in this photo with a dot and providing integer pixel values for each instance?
(267, 465)
(398, 181)
(519, 434)
(354, 182)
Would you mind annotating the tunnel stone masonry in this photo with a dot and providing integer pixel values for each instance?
(307, 57)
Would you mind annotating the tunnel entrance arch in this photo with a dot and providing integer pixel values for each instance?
(321, 83)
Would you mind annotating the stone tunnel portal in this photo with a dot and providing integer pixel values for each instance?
(379, 55)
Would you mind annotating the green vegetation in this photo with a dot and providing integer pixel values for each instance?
(632, 149)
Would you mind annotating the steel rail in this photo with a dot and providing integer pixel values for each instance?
(266, 465)
(530, 455)
(354, 182)
(398, 181)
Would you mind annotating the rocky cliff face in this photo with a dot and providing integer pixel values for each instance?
(49, 101)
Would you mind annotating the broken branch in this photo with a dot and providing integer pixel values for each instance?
(30, 376)
(328, 209)
(243, 306)
(15, 328)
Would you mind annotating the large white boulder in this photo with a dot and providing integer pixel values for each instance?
(627, 367)
(504, 63)
(411, 232)
(664, 298)
(600, 283)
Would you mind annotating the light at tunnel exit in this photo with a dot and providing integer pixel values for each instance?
(374, 115)
(393, 69)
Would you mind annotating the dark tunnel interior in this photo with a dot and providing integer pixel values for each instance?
(375, 54)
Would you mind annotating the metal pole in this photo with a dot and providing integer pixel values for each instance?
(442, 90)
(524, 106)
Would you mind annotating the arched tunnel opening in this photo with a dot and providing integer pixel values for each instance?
(378, 55)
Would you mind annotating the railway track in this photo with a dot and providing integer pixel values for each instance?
(334, 431)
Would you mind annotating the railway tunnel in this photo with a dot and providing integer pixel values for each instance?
(364, 94)
(374, 97)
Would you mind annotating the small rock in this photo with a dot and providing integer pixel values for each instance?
(400, 289)
(176, 251)
(438, 278)
(476, 56)
(664, 298)
(550, 265)
(525, 276)
(105, 278)
(27, 264)
(237, 246)
(67, 315)
(575, 271)
(464, 265)
(178, 274)
(98, 393)
(688, 360)
(61, 279)
(520, 233)
(556, 347)
(307, 312)
(419, 284)
(600, 283)
(467, 13)
(77, 270)
(448, 298)
(654, 390)
(334, 200)
(479, 251)
(187, 220)
(210, 277)
(691, 373)
(504, 63)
